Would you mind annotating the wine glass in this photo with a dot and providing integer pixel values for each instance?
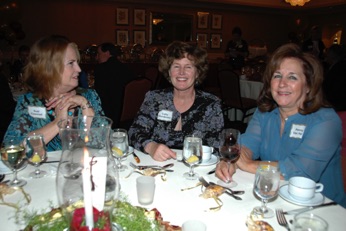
(36, 153)
(266, 186)
(229, 150)
(120, 146)
(13, 156)
(192, 155)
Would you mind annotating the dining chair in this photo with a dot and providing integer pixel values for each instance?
(152, 73)
(134, 94)
(342, 115)
(231, 95)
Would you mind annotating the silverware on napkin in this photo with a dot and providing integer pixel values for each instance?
(295, 211)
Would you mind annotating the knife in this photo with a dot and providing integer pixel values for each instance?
(295, 211)
(136, 157)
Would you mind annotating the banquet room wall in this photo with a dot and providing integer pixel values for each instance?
(93, 22)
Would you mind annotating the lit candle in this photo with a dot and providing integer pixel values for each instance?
(88, 207)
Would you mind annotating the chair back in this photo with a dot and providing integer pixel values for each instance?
(230, 88)
(152, 73)
(133, 98)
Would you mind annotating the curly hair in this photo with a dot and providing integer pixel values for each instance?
(179, 50)
(45, 65)
(312, 70)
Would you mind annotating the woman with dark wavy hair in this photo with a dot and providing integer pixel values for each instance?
(293, 127)
(167, 116)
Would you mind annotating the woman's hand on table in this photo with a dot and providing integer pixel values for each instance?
(225, 170)
(159, 152)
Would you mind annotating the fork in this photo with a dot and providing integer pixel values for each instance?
(281, 219)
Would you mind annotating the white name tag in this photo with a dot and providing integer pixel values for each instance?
(37, 112)
(165, 115)
(297, 131)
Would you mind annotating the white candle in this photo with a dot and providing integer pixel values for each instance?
(88, 207)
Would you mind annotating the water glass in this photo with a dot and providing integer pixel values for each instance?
(192, 155)
(309, 222)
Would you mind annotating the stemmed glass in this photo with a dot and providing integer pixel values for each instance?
(229, 149)
(120, 146)
(36, 153)
(13, 156)
(266, 186)
(192, 155)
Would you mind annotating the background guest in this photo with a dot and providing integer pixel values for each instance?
(237, 49)
(314, 43)
(111, 77)
(293, 126)
(52, 78)
(7, 103)
(334, 84)
(18, 65)
(168, 115)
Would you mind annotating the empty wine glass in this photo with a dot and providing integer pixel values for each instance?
(120, 146)
(192, 155)
(36, 153)
(266, 185)
(229, 150)
(13, 156)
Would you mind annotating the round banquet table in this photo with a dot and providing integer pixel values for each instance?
(175, 206)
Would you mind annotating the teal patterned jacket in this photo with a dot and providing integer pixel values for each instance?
(22, 122)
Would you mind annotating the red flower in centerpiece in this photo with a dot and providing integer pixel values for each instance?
(101, 221)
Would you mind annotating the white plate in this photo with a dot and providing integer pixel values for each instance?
(213, 160)
(316, 200)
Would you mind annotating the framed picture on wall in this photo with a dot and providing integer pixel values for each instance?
(216, 22)
(202, 40)
(139, 17)
(122, 16)
(202, 22)
(139, 37)
(122, 37)
(215, 41)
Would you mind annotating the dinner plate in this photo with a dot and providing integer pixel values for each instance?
(213, 160)
(316, 200)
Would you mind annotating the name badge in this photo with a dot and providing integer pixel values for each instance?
(165, 115)
(37, 112)
(297, 131)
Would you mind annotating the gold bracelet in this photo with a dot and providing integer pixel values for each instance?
(87, 105)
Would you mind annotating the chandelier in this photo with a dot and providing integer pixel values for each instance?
(297, 2)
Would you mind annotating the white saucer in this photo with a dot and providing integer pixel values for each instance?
(316, 200)
(213, 160)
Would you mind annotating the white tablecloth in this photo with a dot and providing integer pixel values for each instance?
(248, 89)
(176, 206)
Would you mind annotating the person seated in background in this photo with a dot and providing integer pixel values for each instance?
(237, 49)
(334, 84)
(111, 77)
(7, 103)
(314, 43)
(168, 115)
(51, 76)
(293, 127)
(19, 64)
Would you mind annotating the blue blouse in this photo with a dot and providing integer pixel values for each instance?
(22, 122)
(204, 119)
(310, 146)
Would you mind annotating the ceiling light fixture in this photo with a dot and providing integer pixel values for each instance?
(297, 2)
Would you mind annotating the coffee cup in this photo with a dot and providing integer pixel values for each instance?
(302, 188)
(207, 151)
